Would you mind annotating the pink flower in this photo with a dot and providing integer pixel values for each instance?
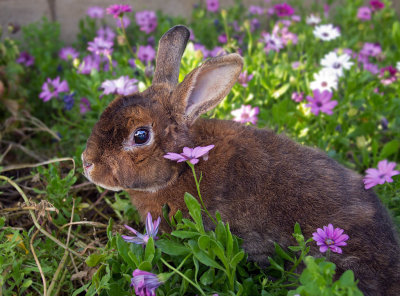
(142, 239)
(146, 20)
(145, 283)
(52, 88)
(321, 102)
(217, 51)
(330, 238)
(283, 9)
(364, 13)
(122, 86)
(244, 78)
(146, 53)
(212, 5)
(272, 42)
(84, 106)
(222, 38)
(118, 10)
(388, 75)
(106, 33)
(383, 174)
(246, 114)
(190, 154)
(89, 63)
(296, 18)
(298, 96)
(376, 5)
(371, 49)
(67, 53)
(95, 12)
(284, 34)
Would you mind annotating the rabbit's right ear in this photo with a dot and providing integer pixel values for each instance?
(205, 87)
(170, 50)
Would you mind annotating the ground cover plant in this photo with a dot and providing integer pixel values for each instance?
(327, 76)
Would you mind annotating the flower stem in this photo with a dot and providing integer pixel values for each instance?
(183, 276)
(328, 254)
(126, 36)
(199, 193)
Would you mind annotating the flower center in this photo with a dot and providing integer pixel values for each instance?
(324, 84)
(319, 104)
(325, 34)
(336, 65)
(329, 241)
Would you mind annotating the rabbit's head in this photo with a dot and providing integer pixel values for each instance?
(127, 144)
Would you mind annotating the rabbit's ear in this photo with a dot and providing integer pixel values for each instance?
(206, 86)
(170, 50)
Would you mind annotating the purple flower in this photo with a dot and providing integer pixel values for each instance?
(146, 20)
(67, 53)
(284, 34)
(118, 10)
(203, 49)
(212, 5)
(100, 46)
(142, 239)
(190, 154)
(253, 9)
(272, 42)
(244, 78)
(364, 13)
(298, 96)
(52, 88)
(68, 101)
(88, 64)
(84, 106)
(106, 33)
(374, 69)
(383, 174)
(283, 9)
(132, 63)
(217, 51)
(295, 65)
(321, 102)
(296, 18)
(222, 38)
(95, 12)
(125, 21)
(254, 24)
(246, 114)
(122, 86)
(146, 53)
(145, 283)
(330, 238)
(376, 5)
(371, 49)
(25, 59)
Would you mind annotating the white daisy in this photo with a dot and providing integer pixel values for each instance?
(326, 32)
(313, 20)
(337, 62)
(398, 66)
(326, 79)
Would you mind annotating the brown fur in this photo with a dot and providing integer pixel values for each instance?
(260, 182)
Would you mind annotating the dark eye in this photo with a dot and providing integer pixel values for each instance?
(141, 136)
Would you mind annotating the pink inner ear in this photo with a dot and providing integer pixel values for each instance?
(210, 87)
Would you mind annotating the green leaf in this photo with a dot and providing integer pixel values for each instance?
(184, 234)
(282, 253)
(150, 250)
(194, 211)
(109, 228)
(94, 259)
(389, 149)
(236, 259)
(123, 250)
(171, 248)
(275, 264)
(145, 265)
(202, 256)
(203, 242)
(282, 90)
(208, 277)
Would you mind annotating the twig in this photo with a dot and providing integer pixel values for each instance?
(25, 150)
(38, 263)
(34, 165)
(51, 209)
(35, 220)
(64, 258)
(98, 200)
(5, 153)
(61, 281)
(95, 224)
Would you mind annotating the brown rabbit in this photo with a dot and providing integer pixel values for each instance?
(260, 182)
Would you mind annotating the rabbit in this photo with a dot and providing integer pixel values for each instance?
(260, 182)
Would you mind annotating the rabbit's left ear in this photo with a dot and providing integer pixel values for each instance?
(206, 86)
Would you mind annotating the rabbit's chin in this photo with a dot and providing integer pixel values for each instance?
(112, 188)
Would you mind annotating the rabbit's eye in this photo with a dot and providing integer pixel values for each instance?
(141, 136)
